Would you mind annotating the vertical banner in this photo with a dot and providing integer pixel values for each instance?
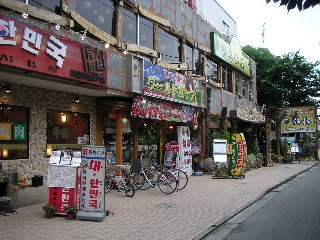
(93, 167)
(185, 157)
(238, 155)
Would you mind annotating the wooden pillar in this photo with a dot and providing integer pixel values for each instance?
(119, 140)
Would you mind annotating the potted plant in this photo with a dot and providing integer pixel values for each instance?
(49, 210)
(71, 210)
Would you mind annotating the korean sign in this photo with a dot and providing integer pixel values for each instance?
(299, 119)
(35, 50)
(93, 167)
(169, 85)
(164, 110)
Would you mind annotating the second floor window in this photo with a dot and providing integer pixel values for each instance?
(169, 46)
(102, 14)
(51, 6)
(145, 33)
(238, 85)
(129, 27)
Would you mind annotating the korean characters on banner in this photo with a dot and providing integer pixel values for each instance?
(238, 158)
(93, 167)
(185, 157)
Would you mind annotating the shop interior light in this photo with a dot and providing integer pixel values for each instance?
(170, 127)
(124, 120)
(63, 118)
(5, 153)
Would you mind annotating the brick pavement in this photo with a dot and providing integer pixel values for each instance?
(187, 214)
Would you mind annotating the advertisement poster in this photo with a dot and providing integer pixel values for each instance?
(62, 176)
(171, 154)
(185, 157)
(93, 167)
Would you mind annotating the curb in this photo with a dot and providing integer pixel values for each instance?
(214, 227)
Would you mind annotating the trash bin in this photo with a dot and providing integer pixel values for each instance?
(37, 181)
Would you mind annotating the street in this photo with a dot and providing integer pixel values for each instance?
(290, 211)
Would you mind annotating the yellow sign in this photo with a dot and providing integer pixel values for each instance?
(299, 119)
(5, 131)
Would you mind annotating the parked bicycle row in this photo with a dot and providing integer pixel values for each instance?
(144, 176)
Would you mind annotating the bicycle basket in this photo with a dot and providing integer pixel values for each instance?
(135, 166)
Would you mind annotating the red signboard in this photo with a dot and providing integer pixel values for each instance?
(34, 50)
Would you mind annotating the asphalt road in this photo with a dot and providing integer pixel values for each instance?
(291, 211)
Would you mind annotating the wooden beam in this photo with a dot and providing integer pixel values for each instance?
(90, 27)
(152, 16)
(35, 12)
(173, 66)
(142, 49)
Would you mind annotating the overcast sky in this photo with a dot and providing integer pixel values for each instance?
(283, 32)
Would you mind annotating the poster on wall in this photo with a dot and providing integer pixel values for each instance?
(93, 167)
(61, 176)
(185, 156)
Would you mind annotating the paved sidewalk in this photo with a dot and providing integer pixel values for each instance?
(187, 214)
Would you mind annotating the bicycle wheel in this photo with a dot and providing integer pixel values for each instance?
(149, 174)
(109, 184)
(182, 178)
(167, 182)
(129, 189)
(135, 179)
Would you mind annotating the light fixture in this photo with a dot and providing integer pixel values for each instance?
(84, 35)
(170, 127)
(107, 45)
(5, 153)
(63, 118)
(6, 88)
(124, 120)
(76, 99)
(195, 127)
(25, 15)
(57, 26)
(125, 52)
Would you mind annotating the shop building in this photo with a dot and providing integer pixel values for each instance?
(123, 74)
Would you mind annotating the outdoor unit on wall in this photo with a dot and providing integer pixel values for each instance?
(134, 74)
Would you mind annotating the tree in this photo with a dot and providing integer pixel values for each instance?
(300, 4)
(291, 80)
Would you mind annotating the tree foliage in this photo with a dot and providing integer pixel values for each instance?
(286, 81)
(300, 4)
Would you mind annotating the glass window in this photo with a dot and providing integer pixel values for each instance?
(229, 81)
(14, 132)
(67, 130)
(189, 57)
(212, 71)
(225, 29)
(102, 14)
(51, 6)
(145, 33)
(250, 91)
(129, 27)
(198, 61)
(169, 46)
(238, 85)
(224, 76)
(244, 88)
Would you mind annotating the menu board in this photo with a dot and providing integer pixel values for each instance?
(61, 176)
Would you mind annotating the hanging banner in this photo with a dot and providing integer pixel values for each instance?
(170, 85)
(298, 119)
(93, 167)
(163, 110)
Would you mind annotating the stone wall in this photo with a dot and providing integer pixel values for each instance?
(39, 100)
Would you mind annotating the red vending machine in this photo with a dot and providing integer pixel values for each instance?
(64, 186)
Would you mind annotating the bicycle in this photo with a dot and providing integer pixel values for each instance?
(121, 184)
(144, 178)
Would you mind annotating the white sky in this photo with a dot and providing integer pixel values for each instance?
(284, 32)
